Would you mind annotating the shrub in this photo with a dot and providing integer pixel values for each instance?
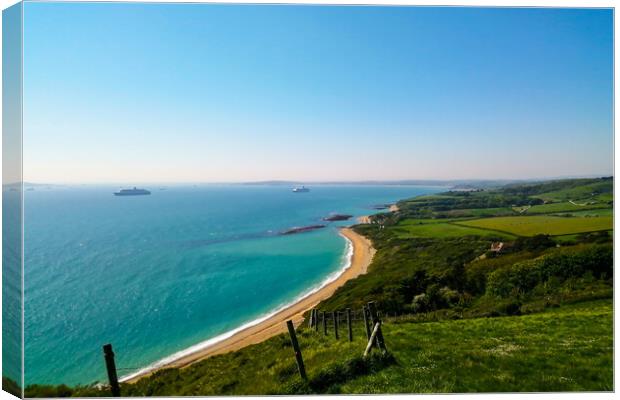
(523, 277)
(534, 243)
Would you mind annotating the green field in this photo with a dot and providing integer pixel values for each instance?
(431, 197)
(563, 207)
(592, 213)
(604, 197)
(422, 221)
(480, 212)
(588, 191)
(542, 224)
(441, 230)
(569, 348)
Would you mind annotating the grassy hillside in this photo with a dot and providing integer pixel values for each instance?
(535, 316)
(543, 224)
(562, 349)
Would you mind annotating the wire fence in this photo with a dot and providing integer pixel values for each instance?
(329, 322)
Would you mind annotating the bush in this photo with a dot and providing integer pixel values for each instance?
(534, 243)
(523, 277)
(449, 297)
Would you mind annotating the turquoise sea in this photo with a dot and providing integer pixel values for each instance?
(155, 275)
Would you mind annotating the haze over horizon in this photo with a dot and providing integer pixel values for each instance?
(149, 93)
(411, 181)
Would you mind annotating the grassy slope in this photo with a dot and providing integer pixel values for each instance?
(562, 207)
(567, 348)
(597, 190)
(543, 224)
(443, 230)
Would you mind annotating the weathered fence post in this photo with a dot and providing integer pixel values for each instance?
(311, 318)
(372, 339)
(110, 365)
(373, 315)
(298, 357)
(324, 323)
(316, 320)
(349, 324)
(335, 316)
(365, 312)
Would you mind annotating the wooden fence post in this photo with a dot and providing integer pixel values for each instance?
(373, 315)
(372, 339)
(324, 323)
(110, 365)
(316, 320)
(365, 312)
(335, 316)
(310, 319)
(349, 324)
(298, 358)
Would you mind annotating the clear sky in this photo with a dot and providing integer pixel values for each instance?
(211, 93)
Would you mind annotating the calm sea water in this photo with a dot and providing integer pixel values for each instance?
(154, 275)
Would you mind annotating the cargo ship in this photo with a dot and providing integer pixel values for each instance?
(132, 192)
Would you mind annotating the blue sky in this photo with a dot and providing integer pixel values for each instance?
(212, 93)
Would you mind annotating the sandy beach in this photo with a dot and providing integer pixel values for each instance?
(363, 253)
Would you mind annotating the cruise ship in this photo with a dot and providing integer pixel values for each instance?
(132, 192)
(301, 189)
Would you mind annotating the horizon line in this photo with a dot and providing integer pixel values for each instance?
(408, 181)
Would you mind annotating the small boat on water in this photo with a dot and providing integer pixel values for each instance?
(132, 192)
(301, 189)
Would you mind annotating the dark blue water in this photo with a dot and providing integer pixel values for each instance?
(155, 275)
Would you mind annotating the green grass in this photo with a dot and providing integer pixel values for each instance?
(265, 368)
(566, 349)
(430, 197)
(422, 221)
(604, 197)
(542, 224)
(480, 212)
(581, 192)
(563, 207)
(601, 212)
(572, 239)
(441, 230)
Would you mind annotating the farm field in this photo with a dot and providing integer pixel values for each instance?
(562, 207)
(480, 212)
(442, 230)
(579, 192)
(593, 213)
(542, 224)
(604, 197)
(419, 221)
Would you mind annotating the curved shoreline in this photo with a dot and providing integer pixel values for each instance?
(264, 328)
